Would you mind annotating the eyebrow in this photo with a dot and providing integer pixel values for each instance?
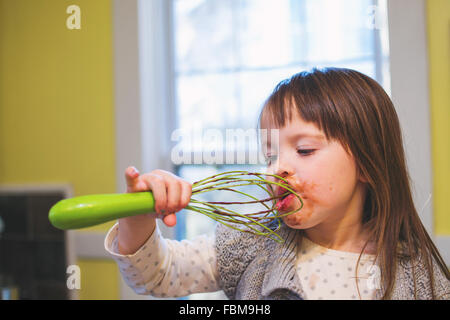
(318, 136)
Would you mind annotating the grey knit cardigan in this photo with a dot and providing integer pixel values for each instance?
(257, 268)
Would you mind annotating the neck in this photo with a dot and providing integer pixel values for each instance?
(344, 231)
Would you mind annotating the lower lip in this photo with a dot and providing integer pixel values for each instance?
(283, 204)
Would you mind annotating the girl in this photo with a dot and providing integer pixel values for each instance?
(358, 235)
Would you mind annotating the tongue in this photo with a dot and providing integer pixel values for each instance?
(282, 205)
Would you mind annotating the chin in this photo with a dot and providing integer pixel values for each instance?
(296, 221)
(300, 219)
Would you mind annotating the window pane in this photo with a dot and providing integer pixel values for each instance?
(264, 33)
(207, 100)
(338, 30)
(204, 36)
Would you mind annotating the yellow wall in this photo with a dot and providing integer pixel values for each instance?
(438, 16)
(56, 106)
(96, 275)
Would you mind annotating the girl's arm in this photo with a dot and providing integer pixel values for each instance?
(133, 232)
(171, 194)
(167, 268)
(151, 264)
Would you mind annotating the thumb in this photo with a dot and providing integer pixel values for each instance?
(170, 220)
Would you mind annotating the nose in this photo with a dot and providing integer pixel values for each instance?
(283, 168)
(284, 172)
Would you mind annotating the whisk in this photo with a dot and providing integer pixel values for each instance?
(85, 211)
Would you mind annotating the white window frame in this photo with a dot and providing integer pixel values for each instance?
(143, 94)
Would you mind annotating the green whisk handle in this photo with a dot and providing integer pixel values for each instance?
(90, 210)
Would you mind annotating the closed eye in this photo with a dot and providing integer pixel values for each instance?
(305, 152)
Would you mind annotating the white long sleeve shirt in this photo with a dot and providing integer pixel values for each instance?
(170, 268)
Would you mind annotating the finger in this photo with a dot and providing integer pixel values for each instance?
(158, 187)
(131, 174)
(170, 220)
(173, 194)
(186, 194)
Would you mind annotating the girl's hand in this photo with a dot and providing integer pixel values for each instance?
(171, 193)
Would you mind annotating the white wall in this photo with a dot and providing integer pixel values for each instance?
(410, 94)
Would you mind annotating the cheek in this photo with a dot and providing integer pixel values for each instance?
(318, 202)
(307, 191)
(328, 186)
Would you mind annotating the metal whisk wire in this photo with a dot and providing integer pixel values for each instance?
(255, 222)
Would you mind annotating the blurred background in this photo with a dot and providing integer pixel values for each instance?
(89, 87)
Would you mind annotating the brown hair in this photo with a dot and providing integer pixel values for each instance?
(353, 109)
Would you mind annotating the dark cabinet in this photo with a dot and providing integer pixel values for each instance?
(32, 252)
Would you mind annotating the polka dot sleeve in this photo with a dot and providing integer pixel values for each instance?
(167, 268)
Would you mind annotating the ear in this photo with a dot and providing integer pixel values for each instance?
(361, 176)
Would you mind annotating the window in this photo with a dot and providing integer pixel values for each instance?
(230, 54)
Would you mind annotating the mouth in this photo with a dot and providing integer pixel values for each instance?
(284, 202)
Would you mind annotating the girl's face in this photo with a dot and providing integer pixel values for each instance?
(320, 171)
